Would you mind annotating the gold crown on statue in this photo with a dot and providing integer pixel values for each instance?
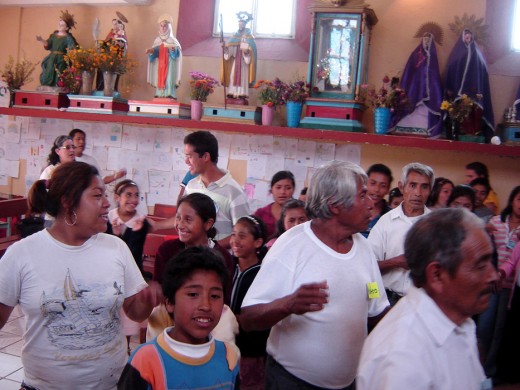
(432, 28)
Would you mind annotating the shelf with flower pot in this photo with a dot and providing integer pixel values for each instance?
(270, 95)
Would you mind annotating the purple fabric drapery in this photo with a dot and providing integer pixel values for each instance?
(467, 74)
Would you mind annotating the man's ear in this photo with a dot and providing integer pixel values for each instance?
(400, 186)
(335, 210)
(169, 306)
(206, 157)
(435, 276)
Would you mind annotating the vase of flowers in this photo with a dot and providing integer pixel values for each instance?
(69, 80)
(386, 101)
(294, 96)
(202, 85)
(458, 112)
(16, 75)
(270, 95)
(86, 61)
(113, 62)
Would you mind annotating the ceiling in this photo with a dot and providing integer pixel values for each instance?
(18, 3)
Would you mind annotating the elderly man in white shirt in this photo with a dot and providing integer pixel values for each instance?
(428, 340)
(387, 236)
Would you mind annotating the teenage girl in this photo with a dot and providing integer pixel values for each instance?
(132, 227)
(293, 213)
(247, 243)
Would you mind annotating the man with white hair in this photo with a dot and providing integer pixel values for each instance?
(428, 340)
(318, 286)
(387, 236)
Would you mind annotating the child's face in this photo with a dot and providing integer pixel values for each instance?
(243, 243)
(190, 227)
(198, 307)
(294, 217)
(282, 190)
(481, 194)
(396, 201)
(128, 199)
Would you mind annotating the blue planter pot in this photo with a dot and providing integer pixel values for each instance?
(294, 113)
(381, 120)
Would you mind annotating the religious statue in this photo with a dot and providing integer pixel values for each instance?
(165, 61)
(57, 44)
(467, 74)
(116, 37)
(239, 65)
(421, 82)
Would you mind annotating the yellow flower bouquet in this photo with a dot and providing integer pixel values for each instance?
(113, 58)
(82, 59)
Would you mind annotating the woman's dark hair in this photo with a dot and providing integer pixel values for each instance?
(462, 190)
(53, 158)
(436, 190)
(479, 168)
(182, 266)
(288, 205)
(122, 185)
(509, 208)
(66, 185)
(281, 175)
(258, 230)
(204, 207)
(394, 193)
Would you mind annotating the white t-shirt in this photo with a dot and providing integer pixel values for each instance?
(415, 346)
(47, 172)
(89, 160)
(71, 296)
(387, 240)
(322, 347)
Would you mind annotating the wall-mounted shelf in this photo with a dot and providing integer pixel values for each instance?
(311, 134)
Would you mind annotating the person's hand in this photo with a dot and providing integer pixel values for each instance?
(40, 39)
(148, 51)
(121, 173)
(117, 225)
(308, 298)
(139, 222)
(153, 293)
(152, 223)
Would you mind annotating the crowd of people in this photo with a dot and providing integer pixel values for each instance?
(294, 295)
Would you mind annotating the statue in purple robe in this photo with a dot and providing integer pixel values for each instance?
(421, 82)
(467, 74)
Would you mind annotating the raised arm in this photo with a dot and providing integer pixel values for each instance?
(139, 306)
(307, 298)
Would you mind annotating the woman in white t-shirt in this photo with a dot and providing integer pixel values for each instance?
(70, 281)
(62, 151)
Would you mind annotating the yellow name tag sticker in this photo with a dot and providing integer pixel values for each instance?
(373, 290)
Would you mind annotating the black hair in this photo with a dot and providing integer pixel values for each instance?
(288, 205)
(481, 181)
(383, 169)
(203, 142)
(281, 175)
(436, 190)
(304, 191)
(480, 169)
(508, 210)
(53, 157)
(73, 133)
(205, 208)
(462, 190)
(394, 193)
(182, 266)
(68, 181)
(258, 230)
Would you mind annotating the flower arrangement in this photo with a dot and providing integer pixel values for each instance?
(16, 75)
(202, 85)
(69, 80)
(112, 58)
(296, 92)
(271, 92)
(82, 59)
(459, 109)
(390, 95)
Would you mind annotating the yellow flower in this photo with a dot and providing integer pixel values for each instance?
(445, 105)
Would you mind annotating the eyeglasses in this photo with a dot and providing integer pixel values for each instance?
(68, 147)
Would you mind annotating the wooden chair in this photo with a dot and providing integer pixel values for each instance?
(9, 209)
(164, 210)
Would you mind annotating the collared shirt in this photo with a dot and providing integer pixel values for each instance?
(229, 198)
(387, 241)
(417, 346)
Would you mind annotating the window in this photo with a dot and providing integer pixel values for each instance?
(516, 27)
(271, 18)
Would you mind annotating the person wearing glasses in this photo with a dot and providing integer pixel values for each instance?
(62, 151)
